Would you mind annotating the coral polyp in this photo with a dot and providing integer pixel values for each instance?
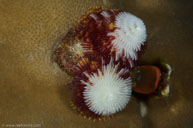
(102, 90)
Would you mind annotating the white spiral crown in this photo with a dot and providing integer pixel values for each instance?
(106, 92)
(130, 34)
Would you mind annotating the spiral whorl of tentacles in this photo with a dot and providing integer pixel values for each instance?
(99, 52)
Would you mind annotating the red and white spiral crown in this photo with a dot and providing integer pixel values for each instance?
(102, 88)
(113, 33)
